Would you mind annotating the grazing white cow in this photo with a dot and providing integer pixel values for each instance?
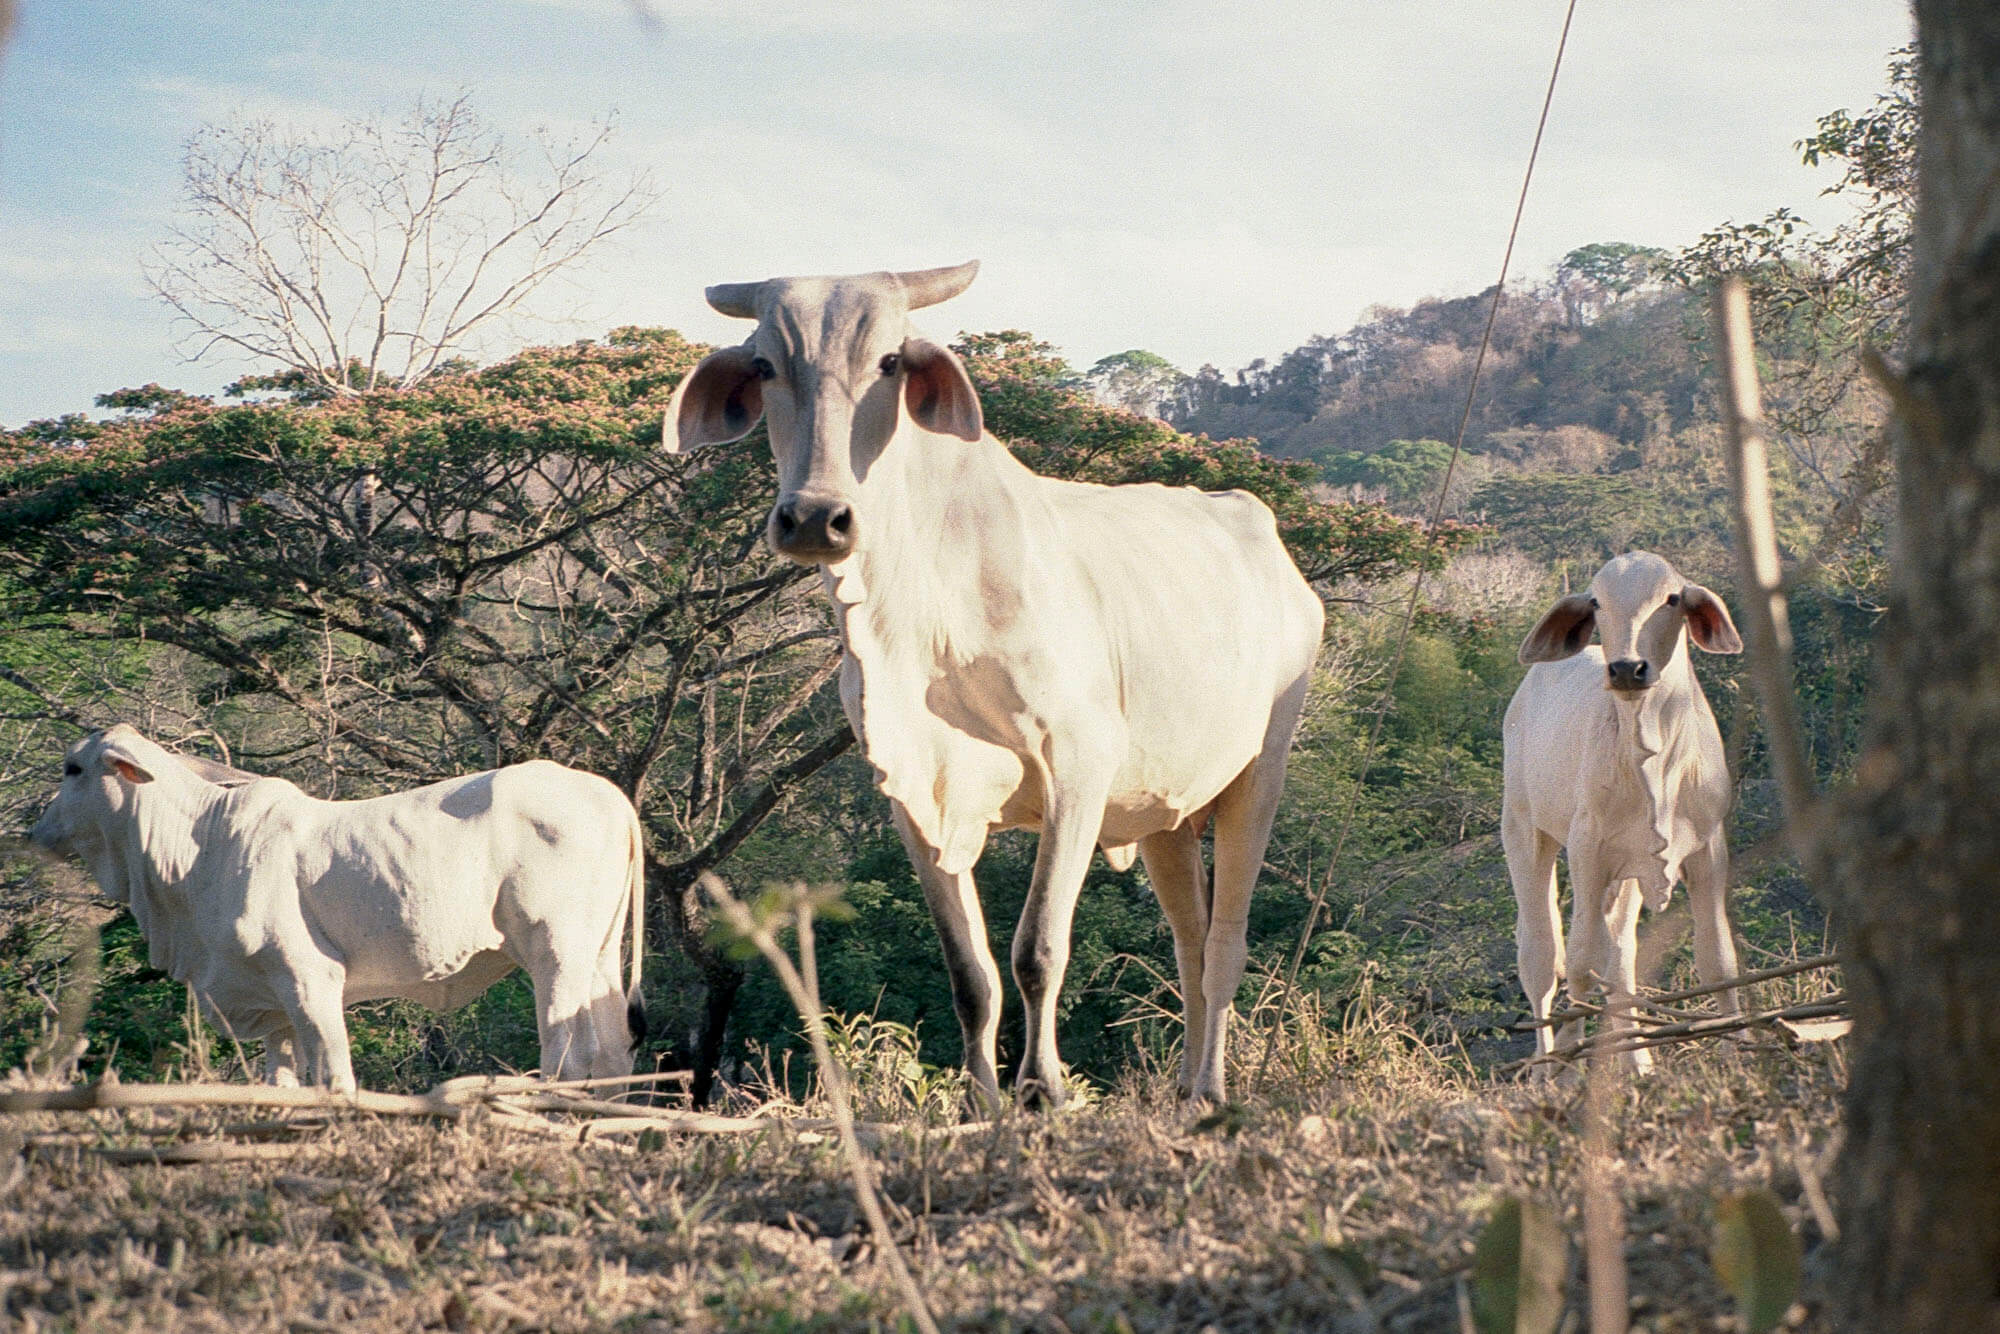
(1613, 756)
(1110, 665)
(280, 909)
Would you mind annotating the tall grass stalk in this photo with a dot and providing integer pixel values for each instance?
(801, 983)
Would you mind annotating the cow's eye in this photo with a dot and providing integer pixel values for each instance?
(1673, 599)
(891, 364)
(72, 770)
(765, 370)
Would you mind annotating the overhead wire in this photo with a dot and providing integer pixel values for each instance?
(1385, 699)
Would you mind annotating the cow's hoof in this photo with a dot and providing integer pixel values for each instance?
(1040, 1095)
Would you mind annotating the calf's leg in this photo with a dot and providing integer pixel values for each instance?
(611, 1035)
(1707, 876)
(1538, 934)
(1621, 917)
(280, 1065)
(311, 987)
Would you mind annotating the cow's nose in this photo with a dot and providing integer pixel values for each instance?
(1630, 674)
(813, 531)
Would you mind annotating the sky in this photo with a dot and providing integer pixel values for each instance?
(1215, 183)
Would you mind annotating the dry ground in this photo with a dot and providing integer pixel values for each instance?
(1345, 1194)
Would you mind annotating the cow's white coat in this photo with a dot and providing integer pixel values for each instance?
(1112, 666)
(1613, 757)
(280, 909)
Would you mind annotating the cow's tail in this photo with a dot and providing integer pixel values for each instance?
(635, 908)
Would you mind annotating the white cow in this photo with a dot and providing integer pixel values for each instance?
(1108, 665)
(1613, 756)
(280, 909)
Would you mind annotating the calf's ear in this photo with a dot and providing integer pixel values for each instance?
(1562, 632)
(716, 402)
(938, 390)
(122, 760)
(1708, 621)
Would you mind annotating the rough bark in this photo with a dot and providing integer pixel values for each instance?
(1916, 859)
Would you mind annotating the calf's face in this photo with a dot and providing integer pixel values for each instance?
(832, 366)
(1639, 606)
(99, 773)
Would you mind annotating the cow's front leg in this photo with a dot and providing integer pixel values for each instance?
(1180, 882)
(968, 959)
(1707, 876)
(1071, 822)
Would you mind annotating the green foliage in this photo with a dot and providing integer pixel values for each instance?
(1060, 431)
(1407, 470)
(1136, 381)
(1616, 266)
(884, 962)
(1517, 1270)
(1757, 1257)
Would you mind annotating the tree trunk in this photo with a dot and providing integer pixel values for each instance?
(1915, 858)
(677, 914)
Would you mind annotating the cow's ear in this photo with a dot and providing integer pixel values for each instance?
(718, 401)
(1562, 632)
(939, 392)
(122, 760)
(1708, 621)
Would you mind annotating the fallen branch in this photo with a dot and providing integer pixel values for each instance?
(1658, 1000)
(448, 1101)
(1614, 1041)
(195, 1151)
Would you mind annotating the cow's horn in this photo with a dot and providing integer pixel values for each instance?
(737, 299)
(927, 287)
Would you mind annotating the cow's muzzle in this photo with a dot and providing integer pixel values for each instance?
(1630, 674)
(812, 532)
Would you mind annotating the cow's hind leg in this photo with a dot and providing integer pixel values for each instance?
(1243, 816)
(968, 959)
(1173, 865)
(1538, 935)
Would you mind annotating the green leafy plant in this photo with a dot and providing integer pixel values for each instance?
(1517, 1270)
(1757, 1256)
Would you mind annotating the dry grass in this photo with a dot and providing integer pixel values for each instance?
(1346, 1193)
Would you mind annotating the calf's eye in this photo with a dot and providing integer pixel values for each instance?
(891, 363)
(1593, 604)
(765, 370)
(1673, 599)
(71, 770)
